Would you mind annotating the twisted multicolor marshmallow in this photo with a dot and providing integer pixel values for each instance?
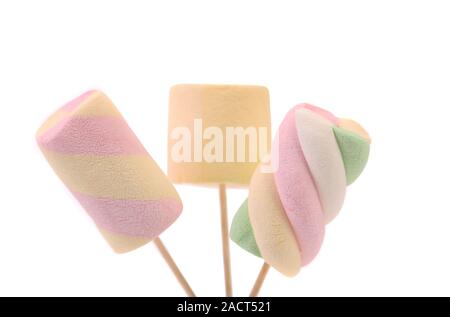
(283, 220)
(99, 158)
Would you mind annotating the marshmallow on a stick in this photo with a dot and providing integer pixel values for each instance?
(217, 136)
(101, 161)
(315, 156)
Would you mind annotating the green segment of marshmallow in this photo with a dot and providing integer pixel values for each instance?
(354, 150)
(241, 231)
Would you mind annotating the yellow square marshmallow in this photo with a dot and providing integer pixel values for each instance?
(217, 133)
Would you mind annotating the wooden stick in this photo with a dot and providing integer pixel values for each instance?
(176, 271)
(225, 240)
(259, 281)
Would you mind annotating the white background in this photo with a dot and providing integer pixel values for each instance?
(384, 63)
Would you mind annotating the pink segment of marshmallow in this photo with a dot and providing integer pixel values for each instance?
(141, 218)
(91, 135)
(296, 188)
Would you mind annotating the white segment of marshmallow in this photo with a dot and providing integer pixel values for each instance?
(324, 159)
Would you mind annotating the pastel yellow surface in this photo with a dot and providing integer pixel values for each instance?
(218, 106)
(273, 234)
(355, 127)
(122, 243)
(96, 104)
(116, 177)
(51, 121)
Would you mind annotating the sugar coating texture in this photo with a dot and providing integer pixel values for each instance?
(314, 157)
(218, 107)
(242, 231)
(355, 152)
(271, 226)
(91, 148)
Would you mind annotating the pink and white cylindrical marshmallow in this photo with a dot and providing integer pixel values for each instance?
(98, 157)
